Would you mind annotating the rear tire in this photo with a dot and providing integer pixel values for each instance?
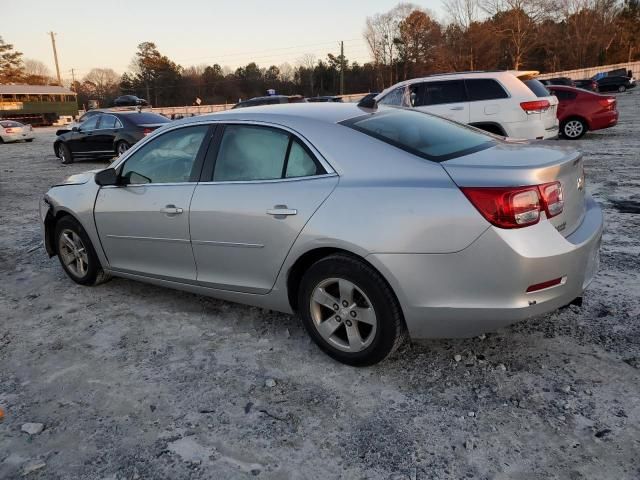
(29, 140)
(622, 89)
(573, 128)
(76, 253)
(350, 311)
(66, 157)
(122, 147)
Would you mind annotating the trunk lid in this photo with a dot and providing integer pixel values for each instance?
(515, 164)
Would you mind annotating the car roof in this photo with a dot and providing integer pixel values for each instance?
(330, 112)
(471, 74)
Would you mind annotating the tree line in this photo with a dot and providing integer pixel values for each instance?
(405, 42)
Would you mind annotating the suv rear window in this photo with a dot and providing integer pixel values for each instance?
(537, 87)
(484, 89)
(422, 134)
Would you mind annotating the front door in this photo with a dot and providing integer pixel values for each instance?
(143, 223)
(81, 139)
(266, 185)
(103, 137)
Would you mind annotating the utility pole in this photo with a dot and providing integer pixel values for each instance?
(341, 68)
(55, 56)
(73, 79)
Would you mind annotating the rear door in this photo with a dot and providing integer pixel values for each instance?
(265, 185)
(489, 101)
(446, 98)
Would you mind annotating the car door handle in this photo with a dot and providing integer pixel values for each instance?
(171, 210)
(456, 108)
(282, 210)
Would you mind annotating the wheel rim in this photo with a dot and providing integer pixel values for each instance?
(573, 128)
(73, 253)
(343, 315)
(122, 147)
(621, 88)
(63, 156)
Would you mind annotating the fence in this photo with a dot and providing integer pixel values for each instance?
(581, 73)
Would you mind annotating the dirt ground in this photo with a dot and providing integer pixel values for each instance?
(133, 381)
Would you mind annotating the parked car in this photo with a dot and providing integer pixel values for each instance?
(106, 134)
(326, 98)
(369, 224)
(129, 101)
(580, 111)
(587, 84)
(559, 81)
(615, 84)
(270, 100)
(498, 102)
(11, 131)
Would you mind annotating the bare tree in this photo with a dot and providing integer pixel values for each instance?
(286, 72)
(36, 68)
(464, 14)
(308, 62)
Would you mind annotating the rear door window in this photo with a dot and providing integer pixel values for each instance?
(449, 91)
(537, 87)
(485, 89)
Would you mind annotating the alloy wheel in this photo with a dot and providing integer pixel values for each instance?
(73, 253)
(343, 315)
(573, 128)
(122, 147)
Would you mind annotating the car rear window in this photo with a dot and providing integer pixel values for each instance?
(422, 134)
(9, 124)
(484, 89)
(537, 88)
(143, 118)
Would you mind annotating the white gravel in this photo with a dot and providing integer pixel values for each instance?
(136, 381)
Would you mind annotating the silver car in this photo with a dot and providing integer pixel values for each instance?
(371, 225)
(11, 131)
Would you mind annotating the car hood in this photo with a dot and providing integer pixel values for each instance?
(79, 178)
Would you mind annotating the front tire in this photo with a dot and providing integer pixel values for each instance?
(573, 129)
(622, 89)
(349, 311)
(66, 157)
(76, 253)
(29, 140)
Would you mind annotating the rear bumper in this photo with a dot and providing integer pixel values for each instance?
(483, 287)
(531, 130)
(603, 120)
(16, 137)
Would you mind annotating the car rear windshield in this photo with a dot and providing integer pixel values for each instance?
(145, 118)
(537, 88)
(420, 133)
(9, 124)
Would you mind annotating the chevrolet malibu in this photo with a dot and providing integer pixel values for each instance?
(372, 225)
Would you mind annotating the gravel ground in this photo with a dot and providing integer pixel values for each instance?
(133, 381)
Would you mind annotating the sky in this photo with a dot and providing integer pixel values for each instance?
(190, 32)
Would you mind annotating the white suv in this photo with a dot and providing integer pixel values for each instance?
(498, 102)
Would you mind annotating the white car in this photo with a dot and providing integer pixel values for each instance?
(498, 102)
(11, 131)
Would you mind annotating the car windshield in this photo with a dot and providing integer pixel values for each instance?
(420, 133)
(142, 118)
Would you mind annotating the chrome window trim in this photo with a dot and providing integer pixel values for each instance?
(221, 121)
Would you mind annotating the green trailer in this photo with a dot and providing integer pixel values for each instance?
(37, 104)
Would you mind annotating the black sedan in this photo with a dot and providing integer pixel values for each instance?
(105, 135)
(130, 101)
(616, 83)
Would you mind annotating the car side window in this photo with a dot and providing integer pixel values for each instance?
(484, 89)
(393, 98)
(107, 122)
(91, 123)
(450, 91)
(249, 153)
(168, 158)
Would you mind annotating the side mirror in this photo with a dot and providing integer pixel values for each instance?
(75, 129)
(369, 101)
(107, 177)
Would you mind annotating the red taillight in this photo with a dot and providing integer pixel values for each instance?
(8, 130)
(506, 207)
(541, 286)
(147, 131)
(535, 106)
(608, 103)
(516, 207)
(552, 198)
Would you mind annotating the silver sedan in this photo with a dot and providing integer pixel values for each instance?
(11, 131)
(373, 226)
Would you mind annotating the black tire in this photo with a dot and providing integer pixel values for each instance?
(66, 157)
(29, 140)
(94, 273)
(573, 128)
(121, 147)
(390, 330)
(622, 89)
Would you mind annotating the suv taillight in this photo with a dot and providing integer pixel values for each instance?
(147, 131)
(535, 106)
(516, 207)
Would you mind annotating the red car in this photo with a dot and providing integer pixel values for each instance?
(580, 110)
